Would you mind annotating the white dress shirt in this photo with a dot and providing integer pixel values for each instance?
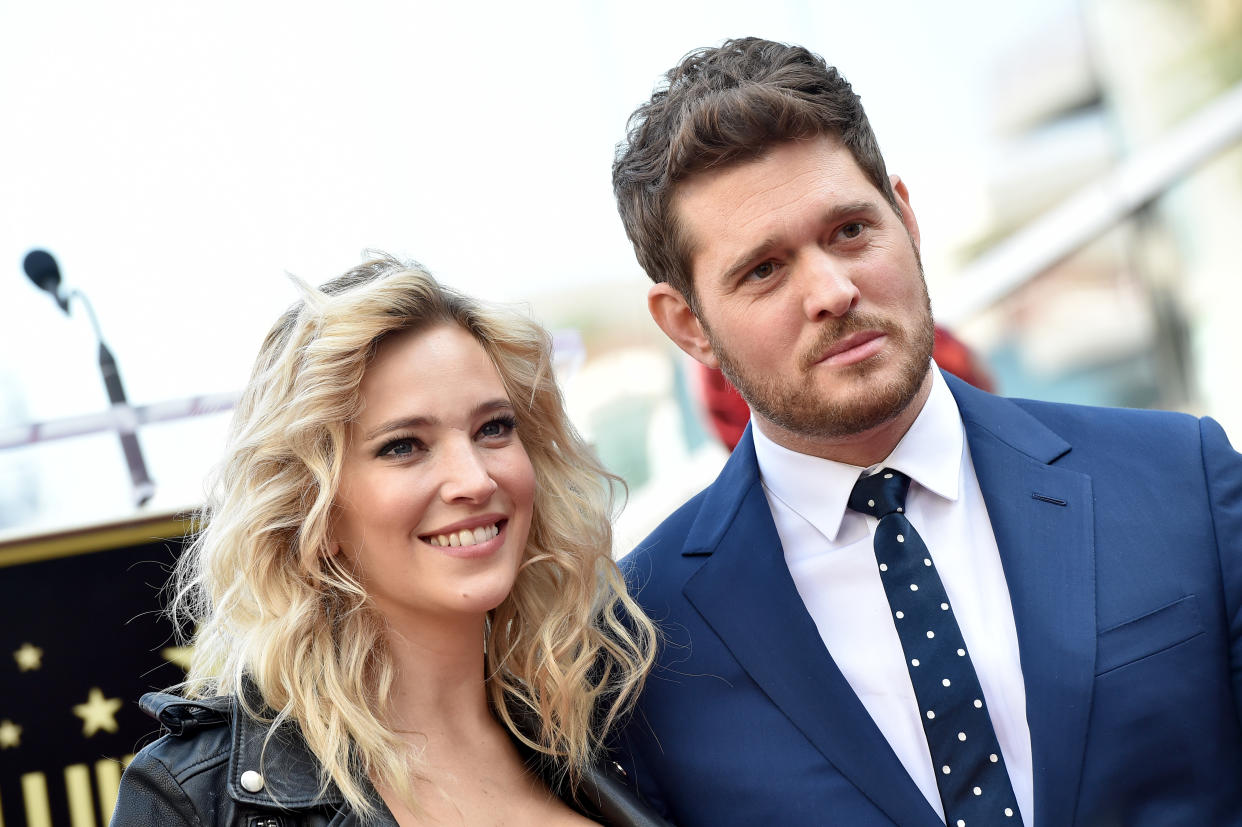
(828, 549)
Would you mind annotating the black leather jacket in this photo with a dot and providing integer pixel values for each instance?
(205, 771)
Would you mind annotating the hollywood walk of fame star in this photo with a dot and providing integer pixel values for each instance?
(10, 734)
(179, 655)
(98, 713)
(28, 657)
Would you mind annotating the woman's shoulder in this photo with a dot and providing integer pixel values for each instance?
(177, 778)
(196, 734)
(602, 792)
(217, 760)
(605, 795)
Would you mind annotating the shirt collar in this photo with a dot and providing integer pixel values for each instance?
(819, 489)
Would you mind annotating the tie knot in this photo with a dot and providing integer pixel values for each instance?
(880, 494)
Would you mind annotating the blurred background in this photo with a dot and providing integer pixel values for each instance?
(1075, 166)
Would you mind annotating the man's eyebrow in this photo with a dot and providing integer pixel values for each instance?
(836, 213)
(743, 261)
(407, 422)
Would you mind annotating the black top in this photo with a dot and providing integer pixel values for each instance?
(206, 771)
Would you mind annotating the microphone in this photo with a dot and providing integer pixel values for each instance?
(42, 269)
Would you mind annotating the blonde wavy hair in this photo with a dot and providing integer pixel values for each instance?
(278, 615)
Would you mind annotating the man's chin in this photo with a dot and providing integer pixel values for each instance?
(854, 405)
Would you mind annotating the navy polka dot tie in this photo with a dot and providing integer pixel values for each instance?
(970, 770)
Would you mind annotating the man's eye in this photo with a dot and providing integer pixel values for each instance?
(763, 271)
(853, 230)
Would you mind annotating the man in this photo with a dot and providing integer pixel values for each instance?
(1073, 575)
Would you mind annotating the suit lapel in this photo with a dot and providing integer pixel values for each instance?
(745, 593)
(1042, 517)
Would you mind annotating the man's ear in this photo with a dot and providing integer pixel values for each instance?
(907, 212)
(672, 313)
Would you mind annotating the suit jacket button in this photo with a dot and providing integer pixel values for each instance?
(251, 781)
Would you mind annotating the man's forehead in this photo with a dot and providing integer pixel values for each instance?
(701, 189)
(694, 201)
(716, 207)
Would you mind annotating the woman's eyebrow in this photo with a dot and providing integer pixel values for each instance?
(407, 422)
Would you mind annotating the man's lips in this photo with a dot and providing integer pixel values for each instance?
(853, 348)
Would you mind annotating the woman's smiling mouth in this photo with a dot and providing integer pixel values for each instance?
(464, 537)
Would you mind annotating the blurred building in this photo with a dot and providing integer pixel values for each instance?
(1141, 315)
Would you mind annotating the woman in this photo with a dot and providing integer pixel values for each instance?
(405, 603)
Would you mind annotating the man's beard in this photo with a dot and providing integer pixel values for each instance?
(801, 407)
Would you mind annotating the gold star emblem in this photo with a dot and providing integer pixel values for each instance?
(97, 713)
(10, 734)
(28, 657)
(179, 655)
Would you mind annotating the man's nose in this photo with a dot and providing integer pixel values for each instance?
(828, 289)
(465, 475)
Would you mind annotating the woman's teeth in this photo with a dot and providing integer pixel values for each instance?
(465, 537)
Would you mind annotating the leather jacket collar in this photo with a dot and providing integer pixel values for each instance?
(290, 773)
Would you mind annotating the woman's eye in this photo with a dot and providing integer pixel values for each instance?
(398, 448)
(498, 427)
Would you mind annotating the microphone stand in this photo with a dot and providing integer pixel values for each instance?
(123, 415)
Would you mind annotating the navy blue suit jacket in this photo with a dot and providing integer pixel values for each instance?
(1120, 533)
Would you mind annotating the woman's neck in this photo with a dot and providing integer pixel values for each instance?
(439, 681)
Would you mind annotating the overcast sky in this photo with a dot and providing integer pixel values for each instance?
(178, 158)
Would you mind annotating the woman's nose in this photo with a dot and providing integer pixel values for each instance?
(465, 475)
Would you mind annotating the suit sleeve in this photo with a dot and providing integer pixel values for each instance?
(150, 795)
(1223, 470)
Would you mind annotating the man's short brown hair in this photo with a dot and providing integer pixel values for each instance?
(721, 106)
